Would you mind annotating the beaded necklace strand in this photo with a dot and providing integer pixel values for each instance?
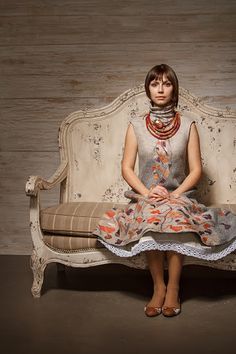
(160, 131)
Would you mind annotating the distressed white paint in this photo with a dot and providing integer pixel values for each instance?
(95, 140)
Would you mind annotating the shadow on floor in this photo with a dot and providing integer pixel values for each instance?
(196, 282)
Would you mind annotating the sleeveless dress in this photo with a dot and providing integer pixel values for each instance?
(179, 224)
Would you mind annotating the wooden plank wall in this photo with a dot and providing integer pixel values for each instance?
(64, 55)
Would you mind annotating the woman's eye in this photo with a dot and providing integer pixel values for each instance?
(168, 84)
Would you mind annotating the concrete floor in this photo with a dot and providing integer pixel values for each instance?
(100, 310)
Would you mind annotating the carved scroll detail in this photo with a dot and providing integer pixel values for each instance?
(38, 265)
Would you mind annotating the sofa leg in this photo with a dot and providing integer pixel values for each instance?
(38, 266)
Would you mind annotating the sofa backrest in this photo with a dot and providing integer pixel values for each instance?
(93, 141)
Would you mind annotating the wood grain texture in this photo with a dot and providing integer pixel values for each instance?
(39, 30)
(68, 86)
(60, 60)
(104, 72)
(14, 205)
(107, 8)
(58, 57)
(32, 124)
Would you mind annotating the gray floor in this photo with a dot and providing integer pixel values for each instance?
(100, 310)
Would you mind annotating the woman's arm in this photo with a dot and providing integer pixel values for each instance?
(194, 162)
(128, 162)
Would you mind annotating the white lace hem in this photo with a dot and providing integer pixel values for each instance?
(202, 252)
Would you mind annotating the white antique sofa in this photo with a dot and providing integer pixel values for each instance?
(91, 146)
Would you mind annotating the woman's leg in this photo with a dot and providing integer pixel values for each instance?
(175, 263)
(156, 266)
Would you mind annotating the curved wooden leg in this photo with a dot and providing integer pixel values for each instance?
(38, 266)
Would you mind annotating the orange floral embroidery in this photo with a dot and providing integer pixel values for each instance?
(155, 212)
(110, 213)
(164, 159)
(204, 238)
(153, 219)
(176, 228)
(206, 226)
(106, 228)
(139, 219)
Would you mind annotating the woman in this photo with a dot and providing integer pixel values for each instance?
(164, 219)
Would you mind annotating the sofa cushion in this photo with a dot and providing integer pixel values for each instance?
(61, 243)
(75, 218)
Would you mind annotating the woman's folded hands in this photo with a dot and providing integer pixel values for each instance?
(158, 193)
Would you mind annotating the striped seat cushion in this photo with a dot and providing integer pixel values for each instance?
(76, 218)
(61, 243)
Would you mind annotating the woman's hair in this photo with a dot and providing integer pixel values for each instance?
(157, 72)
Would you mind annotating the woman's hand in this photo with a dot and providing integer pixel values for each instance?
(174, 195)
(158, 193)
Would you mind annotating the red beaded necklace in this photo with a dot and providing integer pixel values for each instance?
(163, 132)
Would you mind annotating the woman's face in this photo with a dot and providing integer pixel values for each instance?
(161, 91)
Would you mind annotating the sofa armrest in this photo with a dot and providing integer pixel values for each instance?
(35, 183)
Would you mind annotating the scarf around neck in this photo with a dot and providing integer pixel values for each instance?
(162, 114)
(163, 122)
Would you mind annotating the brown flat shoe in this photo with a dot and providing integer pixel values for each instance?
(152, 311)
(170, 311)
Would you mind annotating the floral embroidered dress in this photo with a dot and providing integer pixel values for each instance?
(179, 224)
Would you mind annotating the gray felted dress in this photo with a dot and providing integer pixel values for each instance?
(178, 224)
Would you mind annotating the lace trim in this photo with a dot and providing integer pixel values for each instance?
(180, 248)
